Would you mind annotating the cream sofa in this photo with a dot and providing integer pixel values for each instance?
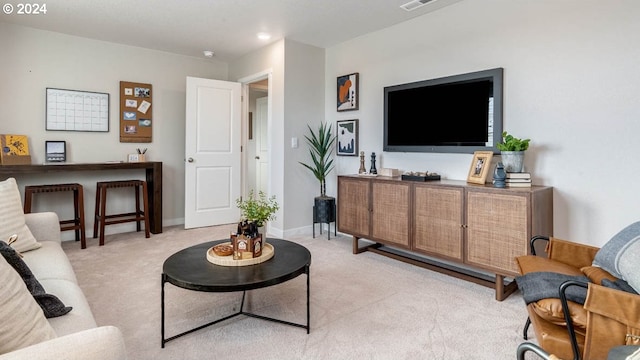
(77, 334)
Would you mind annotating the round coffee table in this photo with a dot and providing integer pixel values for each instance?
(190, 269)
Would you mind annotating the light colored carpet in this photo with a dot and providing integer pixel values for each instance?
(363, 306)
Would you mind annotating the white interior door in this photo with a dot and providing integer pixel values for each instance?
(212, 152)
(262, 145)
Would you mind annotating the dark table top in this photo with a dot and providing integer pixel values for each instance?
(190, 269)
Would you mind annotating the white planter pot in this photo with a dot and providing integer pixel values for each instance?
(513, 161)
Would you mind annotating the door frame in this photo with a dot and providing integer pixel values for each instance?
(245, 81)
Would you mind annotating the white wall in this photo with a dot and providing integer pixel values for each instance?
(304, 105)
(33, 60)
(571, 85)
(297, 99)
(269, 60)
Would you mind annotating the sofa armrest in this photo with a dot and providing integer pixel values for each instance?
(45, 226)
(571, 253)
(101, 343)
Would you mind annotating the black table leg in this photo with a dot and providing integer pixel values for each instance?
(164, 279)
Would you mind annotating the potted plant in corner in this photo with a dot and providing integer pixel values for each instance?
(512, 152)
(321, 146)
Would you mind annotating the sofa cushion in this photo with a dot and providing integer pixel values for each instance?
(50, 304)
(12, 217)
(597, 274)
(50, 262)
(80, 318)
(623, 245)
(551, 310)
(23, 322)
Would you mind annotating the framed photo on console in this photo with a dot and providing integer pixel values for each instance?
(56, 151)
(480, 167)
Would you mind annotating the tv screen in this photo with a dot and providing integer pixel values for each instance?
(459, 114)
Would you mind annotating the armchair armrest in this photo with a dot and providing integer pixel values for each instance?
(612, 320)
(101, 343)
(571, 253)
(527, 346)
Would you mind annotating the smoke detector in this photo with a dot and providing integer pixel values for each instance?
(208, 53)
(414, 4)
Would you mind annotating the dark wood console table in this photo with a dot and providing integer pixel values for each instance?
(153, 170)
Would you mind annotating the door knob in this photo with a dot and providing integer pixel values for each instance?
(257, 157)
(190, 159)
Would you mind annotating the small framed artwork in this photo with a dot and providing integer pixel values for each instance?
(480, 167)
(348, 92)
(347, 137)
(56, 151)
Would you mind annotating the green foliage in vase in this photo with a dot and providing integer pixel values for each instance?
(510, 143)
(258, 209)
(321, 149)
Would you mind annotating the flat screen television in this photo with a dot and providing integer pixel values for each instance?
(453, 114)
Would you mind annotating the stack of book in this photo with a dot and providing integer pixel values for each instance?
(522, 179)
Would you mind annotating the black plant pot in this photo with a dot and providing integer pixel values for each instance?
(324, 211)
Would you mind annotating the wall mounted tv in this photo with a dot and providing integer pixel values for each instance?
(453, 114)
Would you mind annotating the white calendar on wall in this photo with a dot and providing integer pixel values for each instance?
(73, 110)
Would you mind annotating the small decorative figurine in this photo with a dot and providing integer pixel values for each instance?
(499, 176)
(362, 170)
(373, 164)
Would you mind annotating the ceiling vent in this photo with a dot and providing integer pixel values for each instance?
(414, 4)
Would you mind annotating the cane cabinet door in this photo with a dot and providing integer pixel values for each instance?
(498, 229)
(438, 221)
(390, 217)
(354, 212)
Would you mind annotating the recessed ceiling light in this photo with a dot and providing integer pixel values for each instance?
(208, 53)
(264, 36)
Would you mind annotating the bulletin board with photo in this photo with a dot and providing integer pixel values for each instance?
(136, 120)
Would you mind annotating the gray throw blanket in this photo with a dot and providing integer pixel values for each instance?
(542, 285)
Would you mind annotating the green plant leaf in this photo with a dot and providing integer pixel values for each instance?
(511, 143)
(258, 209)
(321, 147)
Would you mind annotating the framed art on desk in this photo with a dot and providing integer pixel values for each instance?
(55, 151)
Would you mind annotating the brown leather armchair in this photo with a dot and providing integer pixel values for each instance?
(608, 318)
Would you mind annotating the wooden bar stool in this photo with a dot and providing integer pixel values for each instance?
(77, 223)
(101, 218)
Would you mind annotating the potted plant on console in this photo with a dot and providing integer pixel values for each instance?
(512, 152)
(321, 145)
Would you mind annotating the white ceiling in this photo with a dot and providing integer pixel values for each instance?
(228, 27)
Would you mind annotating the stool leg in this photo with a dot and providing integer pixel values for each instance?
(103, 214)
(80, 205)
(27, 201)
(96, 216)
(76, 218)
(138, 212)
(145, 203)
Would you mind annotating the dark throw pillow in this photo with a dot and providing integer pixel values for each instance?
(50, 304)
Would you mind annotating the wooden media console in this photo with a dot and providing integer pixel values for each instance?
(469, 231)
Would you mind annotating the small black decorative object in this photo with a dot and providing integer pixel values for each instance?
(373, 164)
(499, 176)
